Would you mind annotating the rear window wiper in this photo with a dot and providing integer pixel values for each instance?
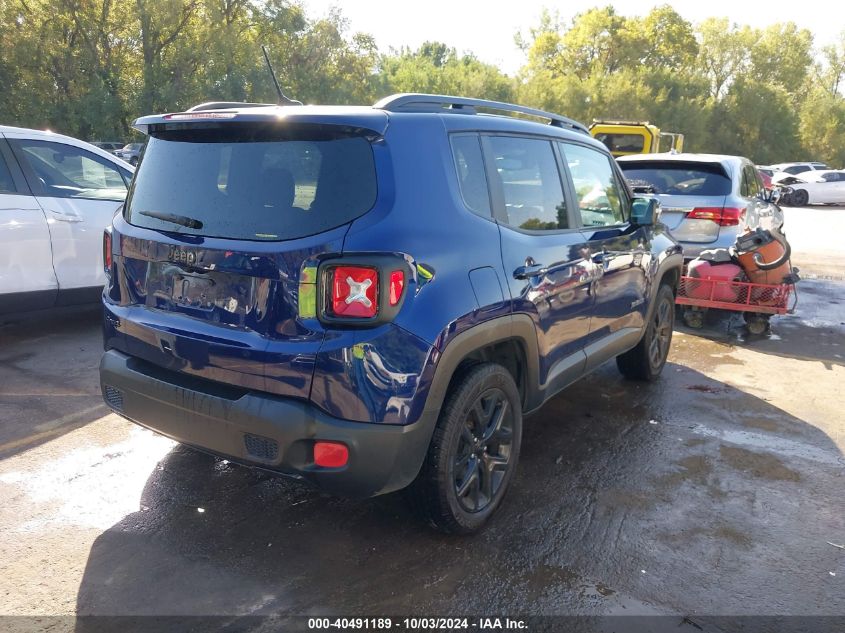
(182, 220)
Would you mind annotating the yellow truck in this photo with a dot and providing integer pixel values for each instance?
(635, 137)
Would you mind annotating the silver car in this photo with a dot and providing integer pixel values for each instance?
(707, 199)
(131, 153)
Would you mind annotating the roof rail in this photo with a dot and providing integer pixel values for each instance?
(226, 105)
(413, 102)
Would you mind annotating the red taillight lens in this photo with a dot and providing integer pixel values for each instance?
(107, 251)
(397, 284)
(727, 216)
(330, 454)
(731, 216)
(354, 292)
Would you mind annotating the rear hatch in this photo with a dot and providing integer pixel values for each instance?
(220, 222)
(692, 195)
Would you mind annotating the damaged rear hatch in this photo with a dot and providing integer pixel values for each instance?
(220, 227)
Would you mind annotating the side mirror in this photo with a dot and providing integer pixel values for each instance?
(645, 211)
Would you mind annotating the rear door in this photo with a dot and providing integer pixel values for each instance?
(79, 191)
(27, 280)
(621, 250)
(221, 235)
(546, 264)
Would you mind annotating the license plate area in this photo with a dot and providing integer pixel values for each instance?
(194, 291)
(216, 296)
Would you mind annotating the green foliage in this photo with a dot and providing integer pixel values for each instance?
(823, 123)
(436, 68)
(89, 67)
(728, 88)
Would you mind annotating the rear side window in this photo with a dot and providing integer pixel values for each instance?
(750, 187)
(677, 178)
(252, 182)
(466, 151)
(7, 185)
(530, 183)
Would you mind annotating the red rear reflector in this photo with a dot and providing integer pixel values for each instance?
(354, 292)
(397, 283)
(330, 454)
(107, 251)
(727, 216)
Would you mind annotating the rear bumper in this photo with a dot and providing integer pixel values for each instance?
(262, 430)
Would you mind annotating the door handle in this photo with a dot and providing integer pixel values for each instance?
(529, 270)
(65, 217)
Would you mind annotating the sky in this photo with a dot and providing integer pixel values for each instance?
(487, 28)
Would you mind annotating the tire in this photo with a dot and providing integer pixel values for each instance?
(756, 324)
(694, 318)
(473, 452)
(646, 360)
(800, 198)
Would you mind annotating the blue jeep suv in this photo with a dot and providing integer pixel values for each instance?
(372, 298)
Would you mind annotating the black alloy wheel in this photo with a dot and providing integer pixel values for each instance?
(484, 450)
(474, 450)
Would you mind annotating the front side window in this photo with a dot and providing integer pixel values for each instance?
(253, 182)
(600, 199)
(66, 171)
(466, 152)
(530, 182)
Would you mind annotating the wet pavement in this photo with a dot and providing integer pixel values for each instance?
(717, 490)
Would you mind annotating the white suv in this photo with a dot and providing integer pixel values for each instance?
(57, 195)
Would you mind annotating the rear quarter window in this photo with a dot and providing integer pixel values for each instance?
(677, 178)
(253, 182)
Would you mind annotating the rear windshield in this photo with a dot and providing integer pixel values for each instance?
(677, 178)
(252, 182)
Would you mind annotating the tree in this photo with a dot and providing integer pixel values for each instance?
(831, 72)
(823, 126)
(757, 120)
(783, 55)
(436, 68)
(724, 53)
(669, 40)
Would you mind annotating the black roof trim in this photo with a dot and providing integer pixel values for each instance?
(417, 102)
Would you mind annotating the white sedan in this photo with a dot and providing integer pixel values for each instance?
(57, 196)
(817, 187)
